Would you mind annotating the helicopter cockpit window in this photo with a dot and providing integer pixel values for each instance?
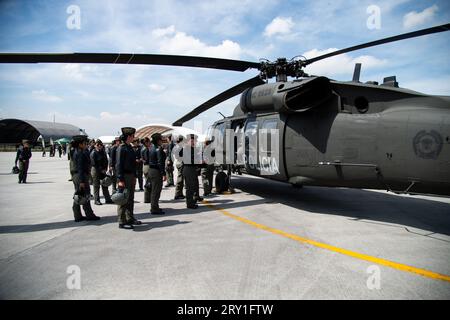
(219, 131)
(209, 133)
(251, 142)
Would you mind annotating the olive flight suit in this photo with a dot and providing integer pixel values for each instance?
(126, 172)
(157, 159)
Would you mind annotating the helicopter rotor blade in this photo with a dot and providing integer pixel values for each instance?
(219, 99)
(418, 33)
(129, 58)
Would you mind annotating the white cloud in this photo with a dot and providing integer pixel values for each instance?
(75, 71)
(171, 41)
(339, 65)
(155, 87)
(279, 25)
(43, 95)
(413, 18)
(161, 32)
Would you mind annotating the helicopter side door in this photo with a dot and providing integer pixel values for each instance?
(263, 145)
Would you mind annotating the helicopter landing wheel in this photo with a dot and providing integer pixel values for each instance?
(222, 182)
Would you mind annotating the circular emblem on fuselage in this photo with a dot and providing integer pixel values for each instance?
(427, 145)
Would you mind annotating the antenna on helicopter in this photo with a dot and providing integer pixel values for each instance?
(356, 72)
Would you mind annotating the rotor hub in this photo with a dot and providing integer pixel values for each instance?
(281, 69)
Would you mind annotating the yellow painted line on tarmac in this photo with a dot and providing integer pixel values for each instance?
(383, 262)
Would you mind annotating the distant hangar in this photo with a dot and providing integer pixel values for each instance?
(13, 131)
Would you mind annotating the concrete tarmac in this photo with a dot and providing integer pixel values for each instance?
(236, 247)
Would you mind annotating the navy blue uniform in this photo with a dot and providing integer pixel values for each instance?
(157, 159)
(82, 165)
(125, 161)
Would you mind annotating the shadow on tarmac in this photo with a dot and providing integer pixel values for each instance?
(145, 226)
(356, 204)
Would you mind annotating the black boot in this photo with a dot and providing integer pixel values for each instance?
(92, 218)
(125, 226)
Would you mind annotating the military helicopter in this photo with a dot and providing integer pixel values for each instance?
(331, 133)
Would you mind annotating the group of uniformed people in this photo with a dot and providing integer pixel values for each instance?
(129, 160)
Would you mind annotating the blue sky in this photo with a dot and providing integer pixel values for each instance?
(101, 98)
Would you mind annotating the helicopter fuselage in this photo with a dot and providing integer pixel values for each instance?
(346, 134)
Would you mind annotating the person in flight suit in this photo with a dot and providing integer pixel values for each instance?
(145, 155)
(80, 178)
(139, 164)
(23, 156)
(157, 174)
(126, 176)
(178, 148)
(90, 147)
(59, 150)
(169, 162)
(207, 173)
(99, 166)
(70, 158)
(192, 160)
(112, 163)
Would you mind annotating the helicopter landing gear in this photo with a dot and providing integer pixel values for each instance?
(222, 182)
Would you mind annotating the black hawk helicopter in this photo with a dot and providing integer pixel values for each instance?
(331, 133)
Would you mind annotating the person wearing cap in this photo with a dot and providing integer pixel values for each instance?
(126, 176)
(80, 178)
(169, 162)
(192, 160)
(23, 157)
(112, 163)
(99, 166)
(139, 164)
(145, 155)
(157, 173)
(207, 172)
(178, 151)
